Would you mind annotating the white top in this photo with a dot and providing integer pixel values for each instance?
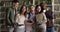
(41, 18)
(20, 19)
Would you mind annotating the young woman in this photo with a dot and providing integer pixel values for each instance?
(50, 16)
(40, 19)
(20, 19)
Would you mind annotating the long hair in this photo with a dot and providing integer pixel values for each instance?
(41, 7)
(36, 7)
(20, 12)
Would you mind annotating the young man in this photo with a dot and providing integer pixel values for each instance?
(11, 15)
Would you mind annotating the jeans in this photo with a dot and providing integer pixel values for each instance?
(51, 29)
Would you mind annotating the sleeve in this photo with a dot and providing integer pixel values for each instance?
(8, 17)
(54, 16)
(44, 16)
(17, 18)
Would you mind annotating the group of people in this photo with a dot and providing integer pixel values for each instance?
(37, 19)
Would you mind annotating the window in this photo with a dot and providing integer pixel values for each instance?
(56, 1)
(56, 7)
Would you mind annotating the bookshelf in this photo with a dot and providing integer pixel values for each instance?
(56, 8)
(3, 8)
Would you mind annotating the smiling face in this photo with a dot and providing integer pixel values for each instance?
(24, 9)
(16, 4)
(32, 9)
(38, 9)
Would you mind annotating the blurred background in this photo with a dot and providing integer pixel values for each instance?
(54, 5)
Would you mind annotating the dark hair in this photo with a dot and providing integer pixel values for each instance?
(42, 3)
(36, 7)
(42, 6)
(21, 10)
(15, 1)
(49, 14)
